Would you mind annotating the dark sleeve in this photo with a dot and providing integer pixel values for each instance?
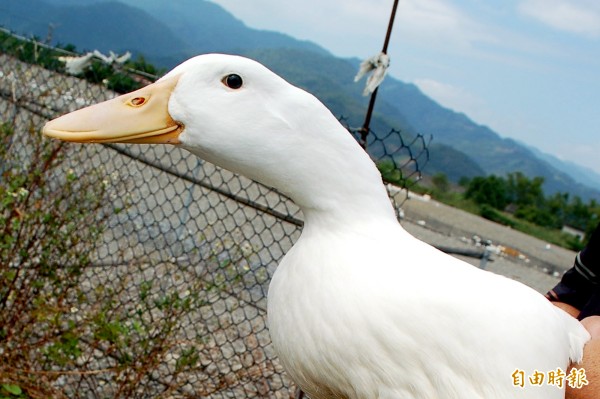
(579, 286)
(590, 258)
(590, 255)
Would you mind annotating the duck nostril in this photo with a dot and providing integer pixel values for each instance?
(137, 101)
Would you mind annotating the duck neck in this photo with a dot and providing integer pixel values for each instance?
(346, 209)
(345, 188)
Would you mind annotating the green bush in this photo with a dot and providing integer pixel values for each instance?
(43, 249)
(54, 328)
(64, 324)
(494, 215)
(116, 78)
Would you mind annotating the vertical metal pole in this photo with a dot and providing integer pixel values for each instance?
(364, 130)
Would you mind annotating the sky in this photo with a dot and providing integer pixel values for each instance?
(528, 69)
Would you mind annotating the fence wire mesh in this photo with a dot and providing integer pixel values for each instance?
(176, 254)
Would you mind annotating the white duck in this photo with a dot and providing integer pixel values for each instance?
(358, 308)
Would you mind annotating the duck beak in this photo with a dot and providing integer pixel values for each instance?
(138, 117)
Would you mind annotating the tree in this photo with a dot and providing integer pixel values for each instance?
(440, 182)
(525, 192)
(490, 190)
(557, 204)
(578, 214)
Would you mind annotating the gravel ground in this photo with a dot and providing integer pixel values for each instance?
(526, 259)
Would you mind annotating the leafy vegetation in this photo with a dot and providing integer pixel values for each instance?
(525, 198)
(62, 323)
(72, 329)
(121, 79)
(43, 250)
(519, 202)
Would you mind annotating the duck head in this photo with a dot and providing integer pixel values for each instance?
(235, 113)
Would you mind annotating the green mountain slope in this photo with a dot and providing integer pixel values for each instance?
(104, 26)
(207, 27)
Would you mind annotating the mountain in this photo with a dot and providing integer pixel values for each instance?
(168, 32)
(495, 155)
(580, 173)
(207, 27)
(101, 25)
(165, 32)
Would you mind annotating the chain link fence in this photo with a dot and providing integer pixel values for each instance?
(172, 299)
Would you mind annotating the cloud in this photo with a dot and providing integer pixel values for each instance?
(453, 97)
(436, 21)
(348, 28)
(358, 27)
(575, 16)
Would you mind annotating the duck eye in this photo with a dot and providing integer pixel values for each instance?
(233, 81)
